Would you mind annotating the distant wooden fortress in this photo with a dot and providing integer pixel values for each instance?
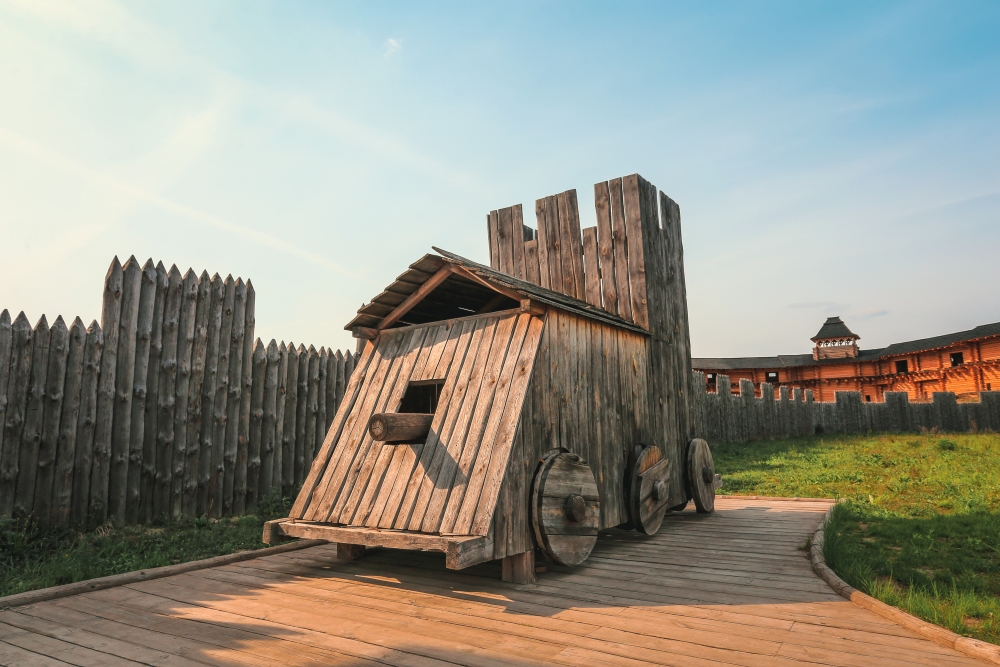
(965, 362)
(529, 404)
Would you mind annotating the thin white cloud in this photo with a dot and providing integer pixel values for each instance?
(392, 47)
(54, 158)
(870, 313)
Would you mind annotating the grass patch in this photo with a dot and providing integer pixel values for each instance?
(919, 525)
(33, 557)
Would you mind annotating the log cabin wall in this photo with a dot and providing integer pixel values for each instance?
(167, 408)
(589, 394)
(965, 363)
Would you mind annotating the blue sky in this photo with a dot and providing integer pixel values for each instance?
(828, 158)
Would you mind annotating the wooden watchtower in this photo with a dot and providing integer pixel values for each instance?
(496, 410)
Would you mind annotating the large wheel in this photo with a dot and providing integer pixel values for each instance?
(565, 508)
(701, 475)
(649, 490)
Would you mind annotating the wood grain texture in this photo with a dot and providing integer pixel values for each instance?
(140, 390)
(193, 458)
(110, 320)
(124, 383)
(570, 250)
(220, 402)
(289, 416)
(166, 396)
(209, 390)
(243, 431)
(34, 412)
(270, 421)
(55, 380)
(185, 350)
(620, 242)
(251, 479)
(235, 396)
(518, 238)
(605, 247)
(62, 492)
(17, 398)
(84, 448)
(592, 272)
(147, 483)
(531, 273)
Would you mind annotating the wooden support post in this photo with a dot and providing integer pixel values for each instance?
(350, 551)
(519, 568)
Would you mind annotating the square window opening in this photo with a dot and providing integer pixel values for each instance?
(868, 399)
(421, 397)
(956, 359)
(772, 378)
(902, 366)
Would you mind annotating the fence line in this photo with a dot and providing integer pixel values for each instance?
(724, 417)
(168, 408)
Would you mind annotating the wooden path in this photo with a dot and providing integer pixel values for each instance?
(732, 588)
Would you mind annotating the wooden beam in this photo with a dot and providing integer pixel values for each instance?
(364, 333)
(465, 273)
(519, 568)
(532, 307)
(414, 299)
(399, 426)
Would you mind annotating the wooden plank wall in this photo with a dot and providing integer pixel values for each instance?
(450, 483)
(727, 417)
(180, 413)
(588, 394)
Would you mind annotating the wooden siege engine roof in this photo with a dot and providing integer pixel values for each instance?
(470, 285)
(449, 484)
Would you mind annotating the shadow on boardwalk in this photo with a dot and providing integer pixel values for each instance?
(729, 588)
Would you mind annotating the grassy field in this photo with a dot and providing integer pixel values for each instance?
(919, 527)
(32, 557)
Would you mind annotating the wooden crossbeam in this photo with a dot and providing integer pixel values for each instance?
(412, 300)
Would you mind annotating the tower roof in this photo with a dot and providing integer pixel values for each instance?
(834, 327)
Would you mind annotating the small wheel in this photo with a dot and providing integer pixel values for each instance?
(565, 508)
(701, 475)
(649, 490)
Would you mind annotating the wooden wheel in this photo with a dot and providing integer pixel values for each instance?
(701, 475)
(648, 491)
(565, 508)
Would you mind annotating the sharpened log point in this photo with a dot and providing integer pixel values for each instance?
(659, 490)
(576, 508)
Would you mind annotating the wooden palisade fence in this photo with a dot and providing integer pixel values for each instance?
(169, 408)
(725, 417)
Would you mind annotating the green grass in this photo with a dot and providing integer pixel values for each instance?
(33, 557)
(919, 525)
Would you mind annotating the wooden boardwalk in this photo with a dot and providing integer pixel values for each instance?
(732, 588)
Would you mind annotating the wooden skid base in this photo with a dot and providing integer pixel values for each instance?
(461, 551)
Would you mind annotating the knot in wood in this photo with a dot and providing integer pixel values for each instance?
(377, 429)
(576, 508)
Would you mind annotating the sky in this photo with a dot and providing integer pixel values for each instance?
(829, 158)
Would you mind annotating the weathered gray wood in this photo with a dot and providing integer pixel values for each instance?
(269, 427)
(399, 426)
(137, 420)
(701, 475)
(166, 395)
(196, 396)
(124, 382)
(6, 337)
(110, 321)
(328, 365)
(312, 409)
(246, 380)
(62, 491)
(34, 413)
(83, 451)
(565, 508)
(492, 234)
(251, 478)
(289, 418)
(55, 381)
(636, 251)
(147, 485)
(185, 349)
(571, 251)
(592, 273)
(546, 243)
(519, 568)
(209, 388)
(341, 381)
(235, 396)
(505, 241)
(321, 421)
(301, 415)
(279, 423)
(531, 262)
(220, 403)
(605, 247)
(517, 234)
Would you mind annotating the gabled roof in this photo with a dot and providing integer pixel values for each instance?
(371, 314)
(834, 327)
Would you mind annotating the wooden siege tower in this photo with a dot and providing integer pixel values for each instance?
(521, 406)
